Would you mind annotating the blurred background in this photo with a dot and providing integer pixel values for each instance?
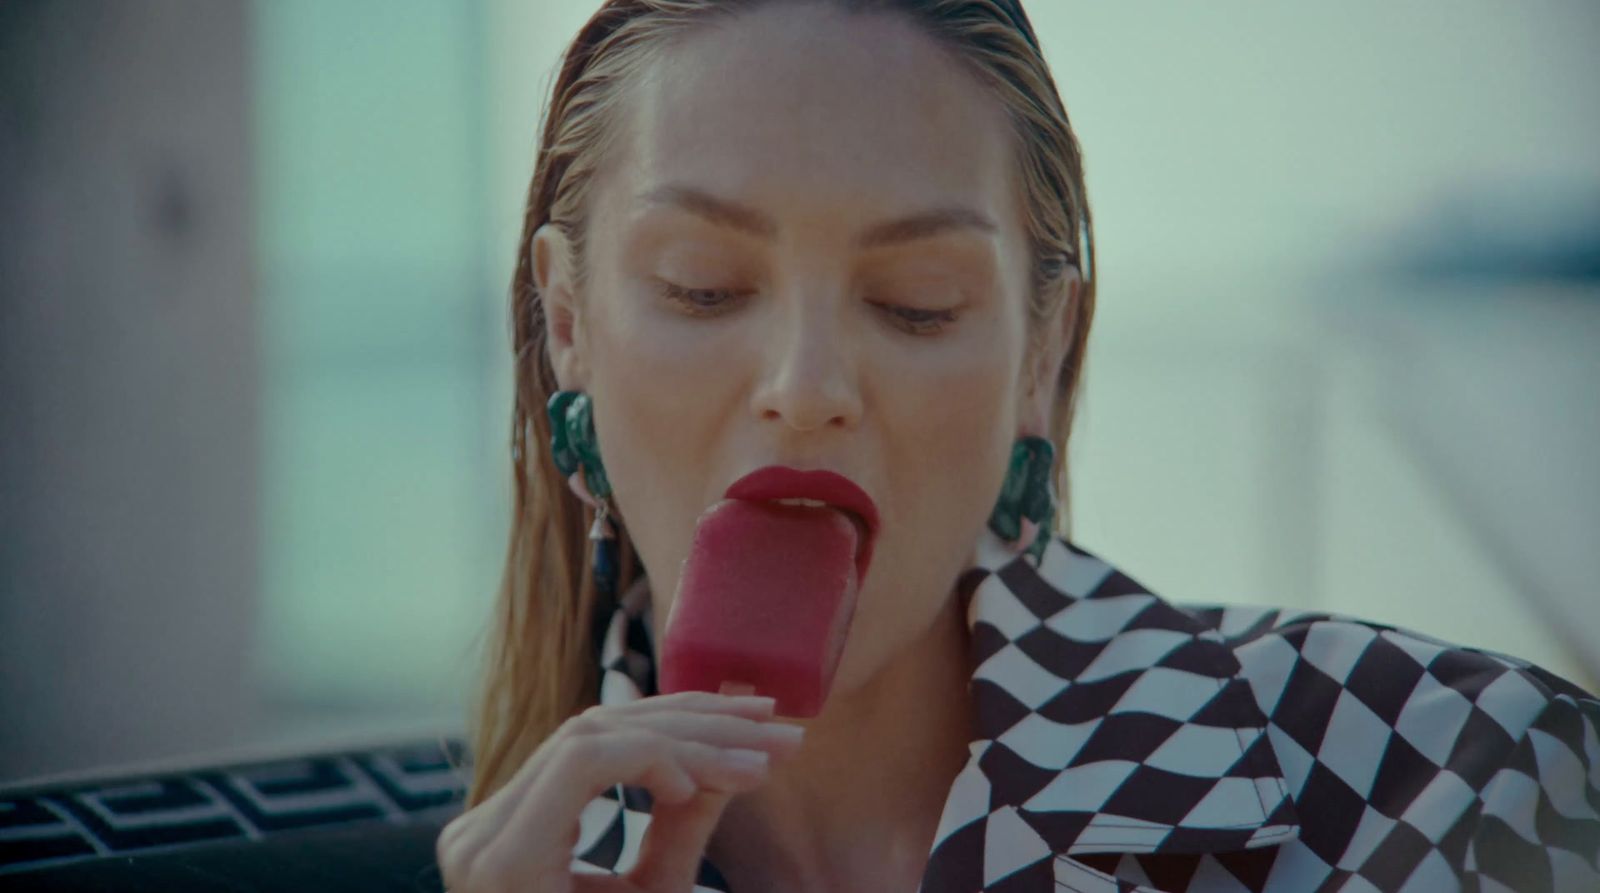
(254, 378)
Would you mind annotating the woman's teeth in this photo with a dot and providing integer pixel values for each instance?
(816, 503)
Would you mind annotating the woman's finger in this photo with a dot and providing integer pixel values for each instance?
(675, 844)
(736, 724)
(685, 749)
(722, 730)
(752, 706)
(578, 770)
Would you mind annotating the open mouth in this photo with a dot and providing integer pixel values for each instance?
(863, 532)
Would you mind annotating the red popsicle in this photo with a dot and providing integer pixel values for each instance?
(765, 599)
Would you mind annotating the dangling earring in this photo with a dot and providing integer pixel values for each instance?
(1027, 504)
(576, 452)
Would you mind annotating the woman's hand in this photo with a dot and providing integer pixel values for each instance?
(692, 751)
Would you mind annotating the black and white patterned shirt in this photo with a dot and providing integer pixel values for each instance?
(1125, 744)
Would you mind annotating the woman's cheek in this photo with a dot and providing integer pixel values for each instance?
(648, 332)
(954, 412)
(660, 361)
(948, 389)
(658, 392)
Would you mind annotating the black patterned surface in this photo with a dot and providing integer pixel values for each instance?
(399, 786)
(362, 858)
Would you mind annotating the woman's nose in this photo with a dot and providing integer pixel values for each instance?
(810, 379)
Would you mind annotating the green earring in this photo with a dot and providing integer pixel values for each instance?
(575, 449)
(573, 444)
(1027, 494)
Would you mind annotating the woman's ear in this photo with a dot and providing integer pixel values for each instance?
(1050, 346)
(564, 335)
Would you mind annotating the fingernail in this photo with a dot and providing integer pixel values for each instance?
(745, 759)
(785, 732)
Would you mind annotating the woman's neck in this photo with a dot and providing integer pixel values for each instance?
(858, 807)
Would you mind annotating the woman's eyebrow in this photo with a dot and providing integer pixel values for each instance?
(730, 214)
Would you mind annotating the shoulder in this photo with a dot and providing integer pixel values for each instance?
(1324, 654)
(1489, 758)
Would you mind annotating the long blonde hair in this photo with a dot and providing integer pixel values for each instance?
(540, 665)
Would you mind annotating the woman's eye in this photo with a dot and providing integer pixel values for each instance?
(716, 301)
(700, 301)
(919, 322)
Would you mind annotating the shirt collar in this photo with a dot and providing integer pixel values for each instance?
(1108, 721)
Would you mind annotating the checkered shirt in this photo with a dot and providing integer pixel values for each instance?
(1125, 744)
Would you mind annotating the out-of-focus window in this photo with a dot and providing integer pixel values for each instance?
(384, 471)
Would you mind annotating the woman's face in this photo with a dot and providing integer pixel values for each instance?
(806, 249)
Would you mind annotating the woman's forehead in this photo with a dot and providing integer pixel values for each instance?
(800, 108)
